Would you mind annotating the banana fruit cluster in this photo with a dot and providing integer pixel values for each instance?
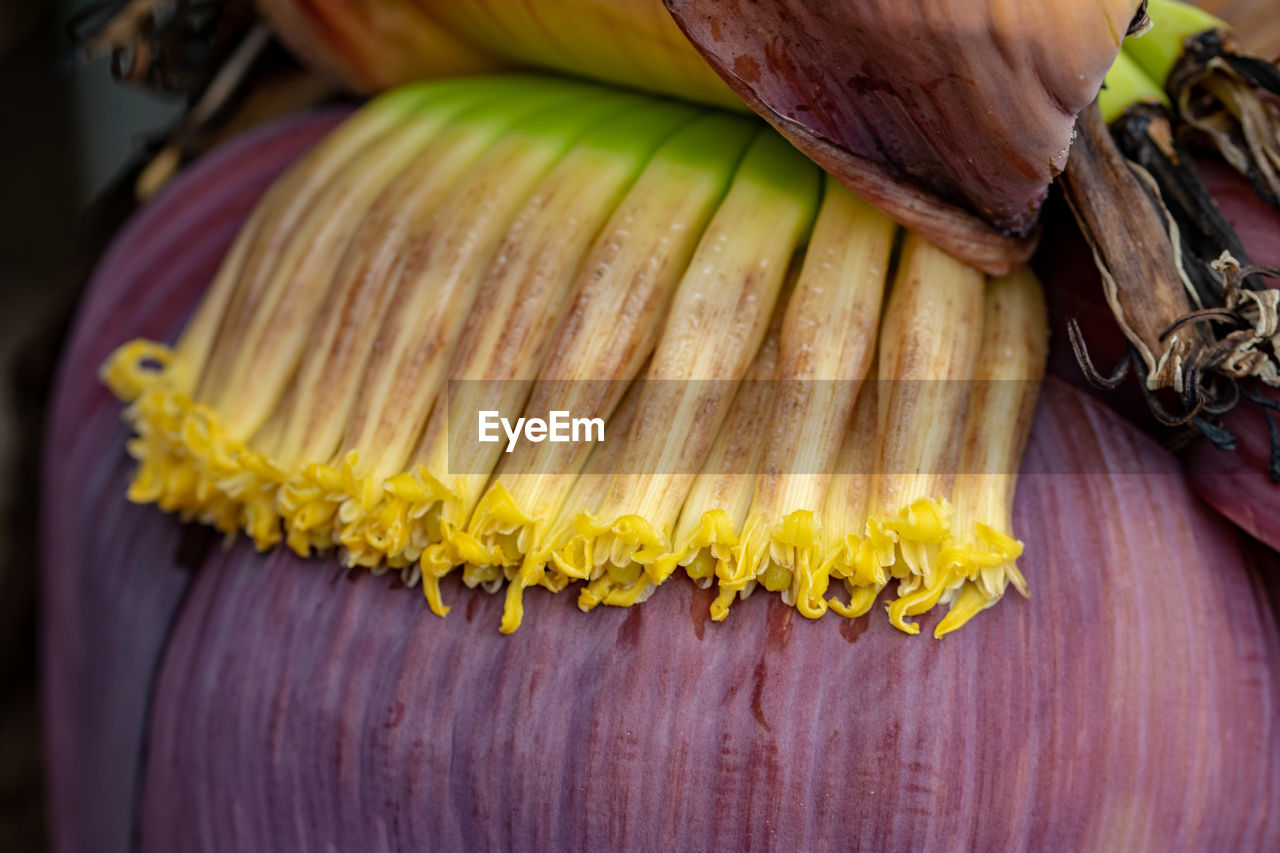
(798, 395)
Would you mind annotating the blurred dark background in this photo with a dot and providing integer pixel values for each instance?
(43, 189)
(79, 152)
(67, 131)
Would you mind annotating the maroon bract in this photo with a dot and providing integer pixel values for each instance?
(900, 100)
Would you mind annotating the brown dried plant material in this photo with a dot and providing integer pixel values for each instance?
(1194, 328)
(1232, 101)
(1143, 280)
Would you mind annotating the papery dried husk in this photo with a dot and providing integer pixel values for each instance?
(1233, 101)
(1226, 98)
(952, 120)
(1145, 134)
(1233, 476)
(1145, 284)
(1200, 321)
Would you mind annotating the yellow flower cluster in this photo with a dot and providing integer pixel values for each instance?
(794, 392)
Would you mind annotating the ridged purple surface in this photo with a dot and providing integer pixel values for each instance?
(1131, 704)
(269, 703)
(111, 586)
